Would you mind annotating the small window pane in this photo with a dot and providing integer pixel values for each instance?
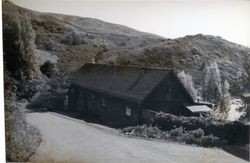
(92, 98)
(103, 102)
(72, 91)
(168, 95)
(128, 111)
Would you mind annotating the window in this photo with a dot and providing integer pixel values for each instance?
(128, 111)
(72, 91)
(66, 101)
(92, 98)
(168, 95)
(103, 102)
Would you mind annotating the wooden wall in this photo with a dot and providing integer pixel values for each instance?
(168, 97)
(90, 105)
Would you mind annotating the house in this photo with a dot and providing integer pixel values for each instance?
(121, 95)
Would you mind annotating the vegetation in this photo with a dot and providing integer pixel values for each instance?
(178, 134)
(187, 81)
(75, 57)
(225, 131)
(74, 39)
(18, 46)
(51, 95)
(191, 130)
(22, 139)
(47, 69)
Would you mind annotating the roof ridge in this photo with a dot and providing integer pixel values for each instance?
(129, 66)
(130, 81)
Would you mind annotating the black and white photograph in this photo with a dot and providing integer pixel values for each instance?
(126, 81)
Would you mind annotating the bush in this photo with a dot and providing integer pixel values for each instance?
(22, 139)
(73, 39)
(176, 132)
(47, 69)
(46, 100)
(191, 137)
(168, 122)
(145, 131)
(197, 133)
(210, 140)
(226, 131)
(52, 96)
(187, 138)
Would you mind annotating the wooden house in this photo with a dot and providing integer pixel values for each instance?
(120, 96)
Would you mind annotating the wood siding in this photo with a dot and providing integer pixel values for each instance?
(89, 104)
(168, 97)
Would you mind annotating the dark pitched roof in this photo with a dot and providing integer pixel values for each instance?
(133, 83)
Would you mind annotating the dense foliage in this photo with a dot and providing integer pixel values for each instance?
(226, 131)
(191, 130)
(178, 134)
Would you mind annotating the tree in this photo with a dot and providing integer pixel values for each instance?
(18, 46)
(187, 81)
(47, 69)
(212, 83)
(225, 97)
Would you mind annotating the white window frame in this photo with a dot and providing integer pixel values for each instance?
(128, 111)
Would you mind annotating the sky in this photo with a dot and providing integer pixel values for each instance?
(229, 19)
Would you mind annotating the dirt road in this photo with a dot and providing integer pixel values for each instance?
(70, 140)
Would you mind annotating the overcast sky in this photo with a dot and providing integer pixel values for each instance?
(229, 19)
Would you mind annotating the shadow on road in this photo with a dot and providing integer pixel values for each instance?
(238, 151)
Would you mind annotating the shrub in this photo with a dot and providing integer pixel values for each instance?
(52, 96)
(176, 132)
(22, 139)
(168, 122)
(73, 39)
(187, 138)
(145, 131)
(47, 100)
(197, 133)
(210, 140)
(122, 43)
(191, 137)
(47, 69)
(226, 131)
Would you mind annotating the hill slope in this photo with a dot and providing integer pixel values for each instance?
(70, 41)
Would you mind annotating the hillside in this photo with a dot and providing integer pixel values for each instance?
(70, 41)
